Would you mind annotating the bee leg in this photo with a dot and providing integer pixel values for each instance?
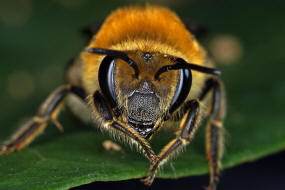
(187, 129)
(214, 132)
(48, 111)
(125, 130)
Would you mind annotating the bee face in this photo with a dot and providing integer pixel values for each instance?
(144, 99)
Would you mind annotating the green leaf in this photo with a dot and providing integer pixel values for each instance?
(39, 37)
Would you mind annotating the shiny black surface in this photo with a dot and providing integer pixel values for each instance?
(145, 131)
(106, 80)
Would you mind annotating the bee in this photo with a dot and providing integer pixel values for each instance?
(142, 71)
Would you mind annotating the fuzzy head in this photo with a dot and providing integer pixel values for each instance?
(138, 84)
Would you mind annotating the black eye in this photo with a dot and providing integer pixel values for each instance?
(106, 79)
(182, 89)
(185, 81)
(106, 71)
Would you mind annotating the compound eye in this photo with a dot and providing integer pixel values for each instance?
(182, 89)
(106, 79)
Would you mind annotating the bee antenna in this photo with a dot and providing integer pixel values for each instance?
(116, 54)
(182, 64)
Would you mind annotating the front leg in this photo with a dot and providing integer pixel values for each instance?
(187, 129)
(48, 111)
(118, 127)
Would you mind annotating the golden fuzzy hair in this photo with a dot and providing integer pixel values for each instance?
(148, 29)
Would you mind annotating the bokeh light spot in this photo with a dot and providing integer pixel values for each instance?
(226, 49)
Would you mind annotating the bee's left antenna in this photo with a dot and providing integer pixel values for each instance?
(182, 64)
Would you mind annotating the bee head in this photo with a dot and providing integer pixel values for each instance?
(146, 86)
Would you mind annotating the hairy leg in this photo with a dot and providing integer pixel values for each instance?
(187, 130)
(214, 132)
(118, 127)
(48, 111)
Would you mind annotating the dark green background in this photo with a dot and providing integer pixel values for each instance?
(41, 45)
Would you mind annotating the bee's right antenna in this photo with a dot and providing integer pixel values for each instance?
(116, 54)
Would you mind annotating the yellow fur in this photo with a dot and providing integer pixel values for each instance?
(149, 28)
